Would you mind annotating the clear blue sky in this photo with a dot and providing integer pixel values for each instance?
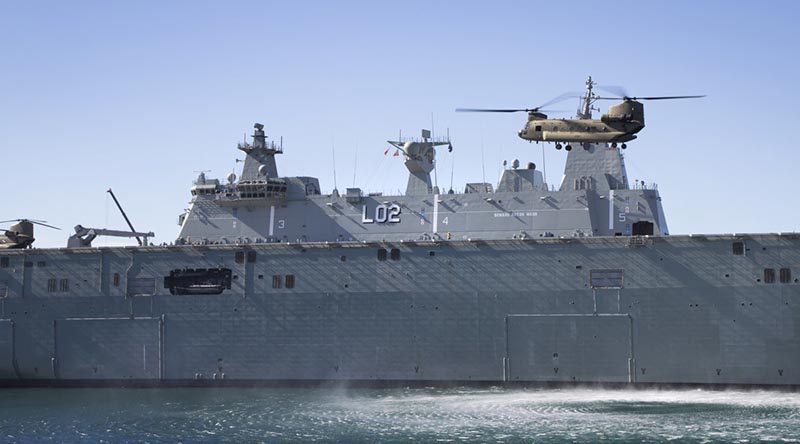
(137, 95)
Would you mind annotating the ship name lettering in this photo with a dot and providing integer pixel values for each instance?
(383, 214)
(517, 214)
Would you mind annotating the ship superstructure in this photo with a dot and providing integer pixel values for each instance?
(593, 199)
(273, 282)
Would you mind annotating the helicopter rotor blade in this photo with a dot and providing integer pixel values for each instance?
(485, 110)
(650, 98)
(667, 97)
(20, 220)
(33, 221)
(46, 225)
(560, 98)
(614, 89)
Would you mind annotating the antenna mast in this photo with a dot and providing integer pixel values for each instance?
(483, 162)
(435, 176)
(355, 165)
(452, 163)
(585, 112)
(333, 155)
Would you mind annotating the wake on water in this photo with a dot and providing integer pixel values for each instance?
(387, 415)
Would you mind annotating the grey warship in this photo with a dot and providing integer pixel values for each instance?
(272, 282)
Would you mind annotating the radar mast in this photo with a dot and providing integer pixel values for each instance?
(585, 111)
(420, 158)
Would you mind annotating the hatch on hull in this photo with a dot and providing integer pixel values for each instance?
(569, 348)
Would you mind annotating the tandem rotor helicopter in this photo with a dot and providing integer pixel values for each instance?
(619, 125)
(19, 235)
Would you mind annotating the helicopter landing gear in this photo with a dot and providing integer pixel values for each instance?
(558, 146)
(613, 144)
(623, 146)
(568, 147)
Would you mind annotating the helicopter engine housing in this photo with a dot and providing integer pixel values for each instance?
(23, 228)
(627, 111)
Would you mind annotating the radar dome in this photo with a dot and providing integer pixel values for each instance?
(231, 177)
(263, 170)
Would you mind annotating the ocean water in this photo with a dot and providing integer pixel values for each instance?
(396, 415)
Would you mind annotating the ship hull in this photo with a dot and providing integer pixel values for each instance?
(674, 310)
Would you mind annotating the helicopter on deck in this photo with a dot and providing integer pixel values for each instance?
(619, 125)
(20, 235)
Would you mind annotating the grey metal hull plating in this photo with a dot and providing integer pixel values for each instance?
(689, 311)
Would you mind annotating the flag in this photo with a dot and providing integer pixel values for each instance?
(396, 153)
(386, 152)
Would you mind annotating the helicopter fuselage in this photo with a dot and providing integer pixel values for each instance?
(11, 240)
(621, 124)
(579, 130)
